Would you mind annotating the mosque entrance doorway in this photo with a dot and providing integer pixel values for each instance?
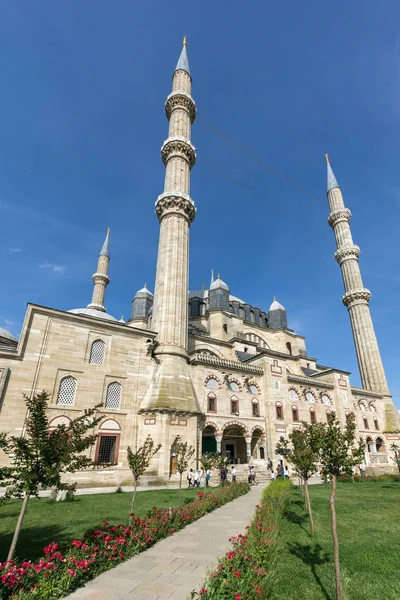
(208, 441)
(233, 444)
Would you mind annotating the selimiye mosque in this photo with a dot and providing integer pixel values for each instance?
(206, 365)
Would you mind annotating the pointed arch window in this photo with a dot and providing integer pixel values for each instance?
(67, 391)
(293, 396)
(255, 407)
(233, 386)
(234, 406)
(97, 353)
(313, 416)
(325, 399)
(252, 389)
(295, 414)
(365, 420)
(310, 397)
(212, 402)
(113, 396)
(279, 410)
(376, 424)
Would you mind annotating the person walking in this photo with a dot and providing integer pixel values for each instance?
(253, 475)
(249, 476)
(233, 473)
(270, 465)
(202, 477)
(190, 478)
(272, 476)
(223, 475)
(286, 472)
(208, 477)
(195, 479)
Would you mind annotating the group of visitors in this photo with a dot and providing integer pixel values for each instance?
(224, 472)
(198, 478)
(281, 472)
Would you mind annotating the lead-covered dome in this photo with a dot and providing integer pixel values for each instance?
(92, 312)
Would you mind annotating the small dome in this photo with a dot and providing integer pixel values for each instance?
(92, 312)
(143, 292)
(219, 285)
(7, 335)
(276, 306)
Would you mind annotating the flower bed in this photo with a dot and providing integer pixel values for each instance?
(376, 478)
(58, 574)
(248, 571)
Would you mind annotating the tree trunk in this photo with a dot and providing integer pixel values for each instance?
(133, 498)
(308, 503)
(180, 488)
(335, 539)
(18, 528)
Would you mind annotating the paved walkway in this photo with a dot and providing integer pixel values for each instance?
(178, 564)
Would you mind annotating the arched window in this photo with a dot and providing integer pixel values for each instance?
(67, 391)
(233, 386)
(279, 410)
(256, 408)
(372, 408)
(241, 312)
(328, 416)
(97, 352)
(362, 406)
(310, 397)
(313, 416)
(113, 397)
(212, 402)
(366, 426)
(252, 389)
(376, 424)
(380, 445)
(108, 442)
(225, 327)
(212, 383)
(295, 414)
(293, 395)
(325, 399)
(252, 317)
(234, 406)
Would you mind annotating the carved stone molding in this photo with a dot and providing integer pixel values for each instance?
(169, 204)
(356, 297)
(183, 100)
(339, 215)
(346, 253)
(180, 147)
(101, 278)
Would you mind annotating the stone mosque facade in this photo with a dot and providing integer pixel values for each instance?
(205, 365)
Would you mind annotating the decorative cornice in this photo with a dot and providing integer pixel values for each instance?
(346, 253)
(353, 297)
(336, 216)
(227, 364)
(178, 146)
(180, 99)
(309, 381)
(101, 277)
(170, 203)
(363, 392)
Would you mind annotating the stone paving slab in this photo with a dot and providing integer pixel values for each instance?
(175, 566)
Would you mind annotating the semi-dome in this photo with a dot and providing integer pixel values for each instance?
(219, 285)
(276, 306)
(92, 312)
(7, 335)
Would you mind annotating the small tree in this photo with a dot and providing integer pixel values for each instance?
(184, 453)
(337, 453)
(208, 460)
(40, 457)
(304, 460)
(139, 461)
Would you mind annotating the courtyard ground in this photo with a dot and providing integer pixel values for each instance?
(63, 522)
(369, 537)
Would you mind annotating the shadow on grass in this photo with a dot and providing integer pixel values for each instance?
(311, 556)
(294, 517)
(32, 540)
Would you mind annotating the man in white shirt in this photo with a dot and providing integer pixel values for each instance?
(233, 473)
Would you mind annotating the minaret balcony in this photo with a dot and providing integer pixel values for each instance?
(178, 146)
(346, 253)
(354, 297)
(175, 202)
(180, 99)
(339, 215)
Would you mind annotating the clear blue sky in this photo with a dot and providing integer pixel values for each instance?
(83, 86)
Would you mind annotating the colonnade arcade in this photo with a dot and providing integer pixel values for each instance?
(234, 441)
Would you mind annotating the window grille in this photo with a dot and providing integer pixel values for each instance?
(293, 395)
(107, 447)
(212, 384)
(253, 389)
(310, 397)
(113, 398)
(97, 352)
(325, 399)
(67, 391)
(233, 386)
(211, 404)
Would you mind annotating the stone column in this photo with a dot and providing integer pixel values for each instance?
(218, 439)
(248, 448)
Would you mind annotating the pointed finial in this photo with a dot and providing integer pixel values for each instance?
(108, 231)
(219, 276)
(203, 287)
(145, 285)
(274, 298)
(184, 41)
(327, 158)
(332, 182)
(212, 277)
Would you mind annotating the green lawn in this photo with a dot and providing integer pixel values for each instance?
(369, 538)
(63, 522)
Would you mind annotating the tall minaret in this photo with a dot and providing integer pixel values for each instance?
(356, 297)
(101, 278)
(171, 386)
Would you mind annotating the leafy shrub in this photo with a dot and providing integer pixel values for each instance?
(188, 500)
(58, 574)
(374, 478)
(249, 570)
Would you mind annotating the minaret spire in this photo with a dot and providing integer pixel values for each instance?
(356, 297)
(171, 387)
(212, 277)
(101, 278)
